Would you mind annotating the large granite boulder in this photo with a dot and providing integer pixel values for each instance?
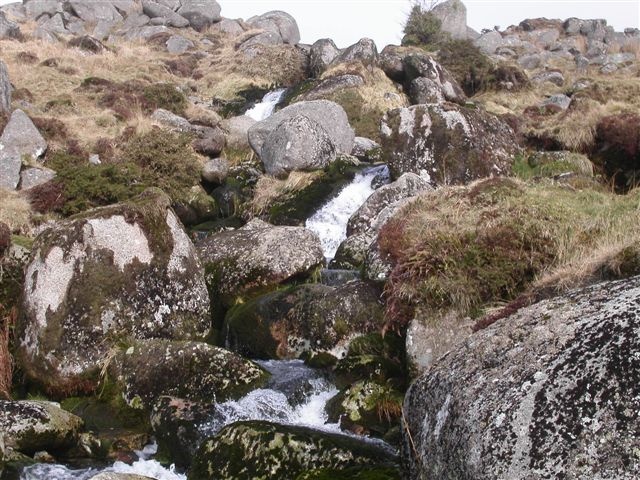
(19, 139)
(328, 116)
(297, 144)
(304, 319)
(364, 51)
(453, 17)
(552, 391)
(278, 22)
(447, 144)
(195, 371)
(322, 53)
(9, 29)
(257, 256)
(93, 12)
(200, 13)
(162, 15)
(114, 273)
(32, 426)
(257, 449)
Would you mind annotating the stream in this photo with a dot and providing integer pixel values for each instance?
(296, 394)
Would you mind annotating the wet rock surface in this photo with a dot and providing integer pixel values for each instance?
(249, 450)
(551, 391)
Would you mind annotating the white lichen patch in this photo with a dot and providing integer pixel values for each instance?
(183, 249)
(407, 121)
(453, 118)
(47, 282)
(127, 241)
(442, 416)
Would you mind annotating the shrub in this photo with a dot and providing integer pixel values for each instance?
(422, 27)
(618, 147)
(470, 67)
(165, 95)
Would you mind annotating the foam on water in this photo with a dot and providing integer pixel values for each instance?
(265, 108)
(330, 221)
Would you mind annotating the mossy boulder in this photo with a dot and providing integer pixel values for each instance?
(257, 257)
(32, 426)
(553, 164)
(175, 422)
(102, 277)
(367, 407)
(255, 449)
(190, 370)
(307, 319)
(447, 144)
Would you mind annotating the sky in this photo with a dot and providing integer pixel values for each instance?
(346, 21)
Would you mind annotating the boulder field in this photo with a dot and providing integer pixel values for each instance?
(158, 167)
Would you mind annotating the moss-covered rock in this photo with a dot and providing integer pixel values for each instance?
(254, 258)
(367, 407)
(175, 423)
(118, 272)
(553, 164)
(354, 473)
(307, 319)
(261, 450)
(32, 426)
(195, 371)
(447, 144)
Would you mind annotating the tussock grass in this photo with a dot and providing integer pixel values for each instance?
(15, 211)
(471, 248)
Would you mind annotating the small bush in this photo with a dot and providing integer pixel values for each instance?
(618, 147)
(167, 96)
(422, 28)
(470, 67)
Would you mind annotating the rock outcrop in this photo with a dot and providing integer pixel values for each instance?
(453, 17)
(279, 23)
(5, 89)
(550, 391)
(447, 144)
(123, 271)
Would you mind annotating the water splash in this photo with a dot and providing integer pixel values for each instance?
(266, 107)
(330, 222)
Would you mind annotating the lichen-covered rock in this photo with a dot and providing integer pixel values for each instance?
(9, 29)
(163, 15)
(322, 53)
(330, 116)
(553, 391)
(20, 139)
(94, 12)
(200, 13)
(195, 371)
(32, 426)
(418, 68)
(297, 144)
(363, 51)
(447, 144)
(257, 256)
(250, 450)
(123, 271)
(175, 423)
(453, 18)
(305, 319)
(5, 89)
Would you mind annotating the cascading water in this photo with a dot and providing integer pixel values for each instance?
(265, 108)
(330, 222)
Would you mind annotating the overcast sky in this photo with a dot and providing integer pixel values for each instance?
(346, 21)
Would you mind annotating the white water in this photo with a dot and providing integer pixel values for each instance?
(265, 109)
(296, 395)
(330, 222)
(143, 466)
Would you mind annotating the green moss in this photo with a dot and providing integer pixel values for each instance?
(296, 91)
(549, 165)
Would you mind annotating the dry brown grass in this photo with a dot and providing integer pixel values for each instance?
(7, 320)
(15, 211)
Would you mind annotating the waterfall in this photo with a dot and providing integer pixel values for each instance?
(265, 108)
(330, 221)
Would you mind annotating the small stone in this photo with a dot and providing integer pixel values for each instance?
(32, 177)
(215, 171)
(177, 44)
